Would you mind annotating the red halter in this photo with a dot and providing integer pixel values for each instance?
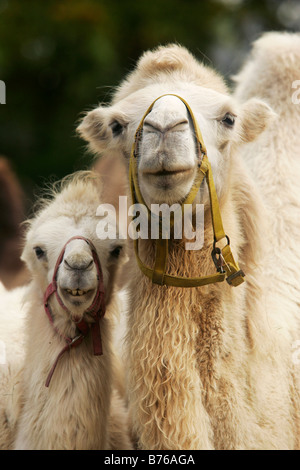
(96, 309)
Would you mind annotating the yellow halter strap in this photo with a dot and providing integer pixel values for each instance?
(223, 259)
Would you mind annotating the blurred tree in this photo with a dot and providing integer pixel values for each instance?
(60, 57)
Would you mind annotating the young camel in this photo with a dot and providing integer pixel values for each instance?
(71, 393)
(208, 369)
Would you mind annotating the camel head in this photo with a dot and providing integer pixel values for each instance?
(167, 157)
(72, 213)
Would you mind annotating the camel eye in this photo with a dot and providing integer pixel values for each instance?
(115, 253)
(39, 252)
(116, 128)
(228, 120)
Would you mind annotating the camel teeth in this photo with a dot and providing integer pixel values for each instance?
(76, 292)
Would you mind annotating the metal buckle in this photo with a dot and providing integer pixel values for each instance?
(75, 339)
(227, 238)
(218, 259)
(233, 276)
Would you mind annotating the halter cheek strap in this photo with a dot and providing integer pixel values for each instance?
(96, 309)
(227, 267)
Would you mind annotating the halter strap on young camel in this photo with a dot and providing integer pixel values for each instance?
(96, 309)
(227, 267)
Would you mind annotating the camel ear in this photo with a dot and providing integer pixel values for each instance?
(28, 257)
(102, 128)
(32, 255)
(255, 118)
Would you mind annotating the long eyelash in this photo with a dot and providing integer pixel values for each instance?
(116, 252)
(39, 252)
(228, 119)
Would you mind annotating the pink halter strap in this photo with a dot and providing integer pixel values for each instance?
(96, 309)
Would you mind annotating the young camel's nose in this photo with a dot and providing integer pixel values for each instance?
(78, 256)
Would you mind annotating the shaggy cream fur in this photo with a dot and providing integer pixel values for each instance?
(83, 408)
(274, 161)
(209, 367)
(271, 72)
(13, 310)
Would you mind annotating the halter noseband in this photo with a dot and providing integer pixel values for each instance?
(96, 309)
(227, 267)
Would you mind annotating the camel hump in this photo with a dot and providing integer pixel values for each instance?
(274, 44)
(272, 71)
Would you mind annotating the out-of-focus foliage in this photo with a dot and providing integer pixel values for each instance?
(60, 57)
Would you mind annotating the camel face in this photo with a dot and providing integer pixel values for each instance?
(168, 157)
(76, 275)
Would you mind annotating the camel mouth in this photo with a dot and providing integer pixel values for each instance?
(77, 292)
(166, 173)
(166, 180)
(77, 296)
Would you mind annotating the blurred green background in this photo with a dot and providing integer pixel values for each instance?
(61, 57)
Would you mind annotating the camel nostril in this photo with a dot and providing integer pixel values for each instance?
(80, 265)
